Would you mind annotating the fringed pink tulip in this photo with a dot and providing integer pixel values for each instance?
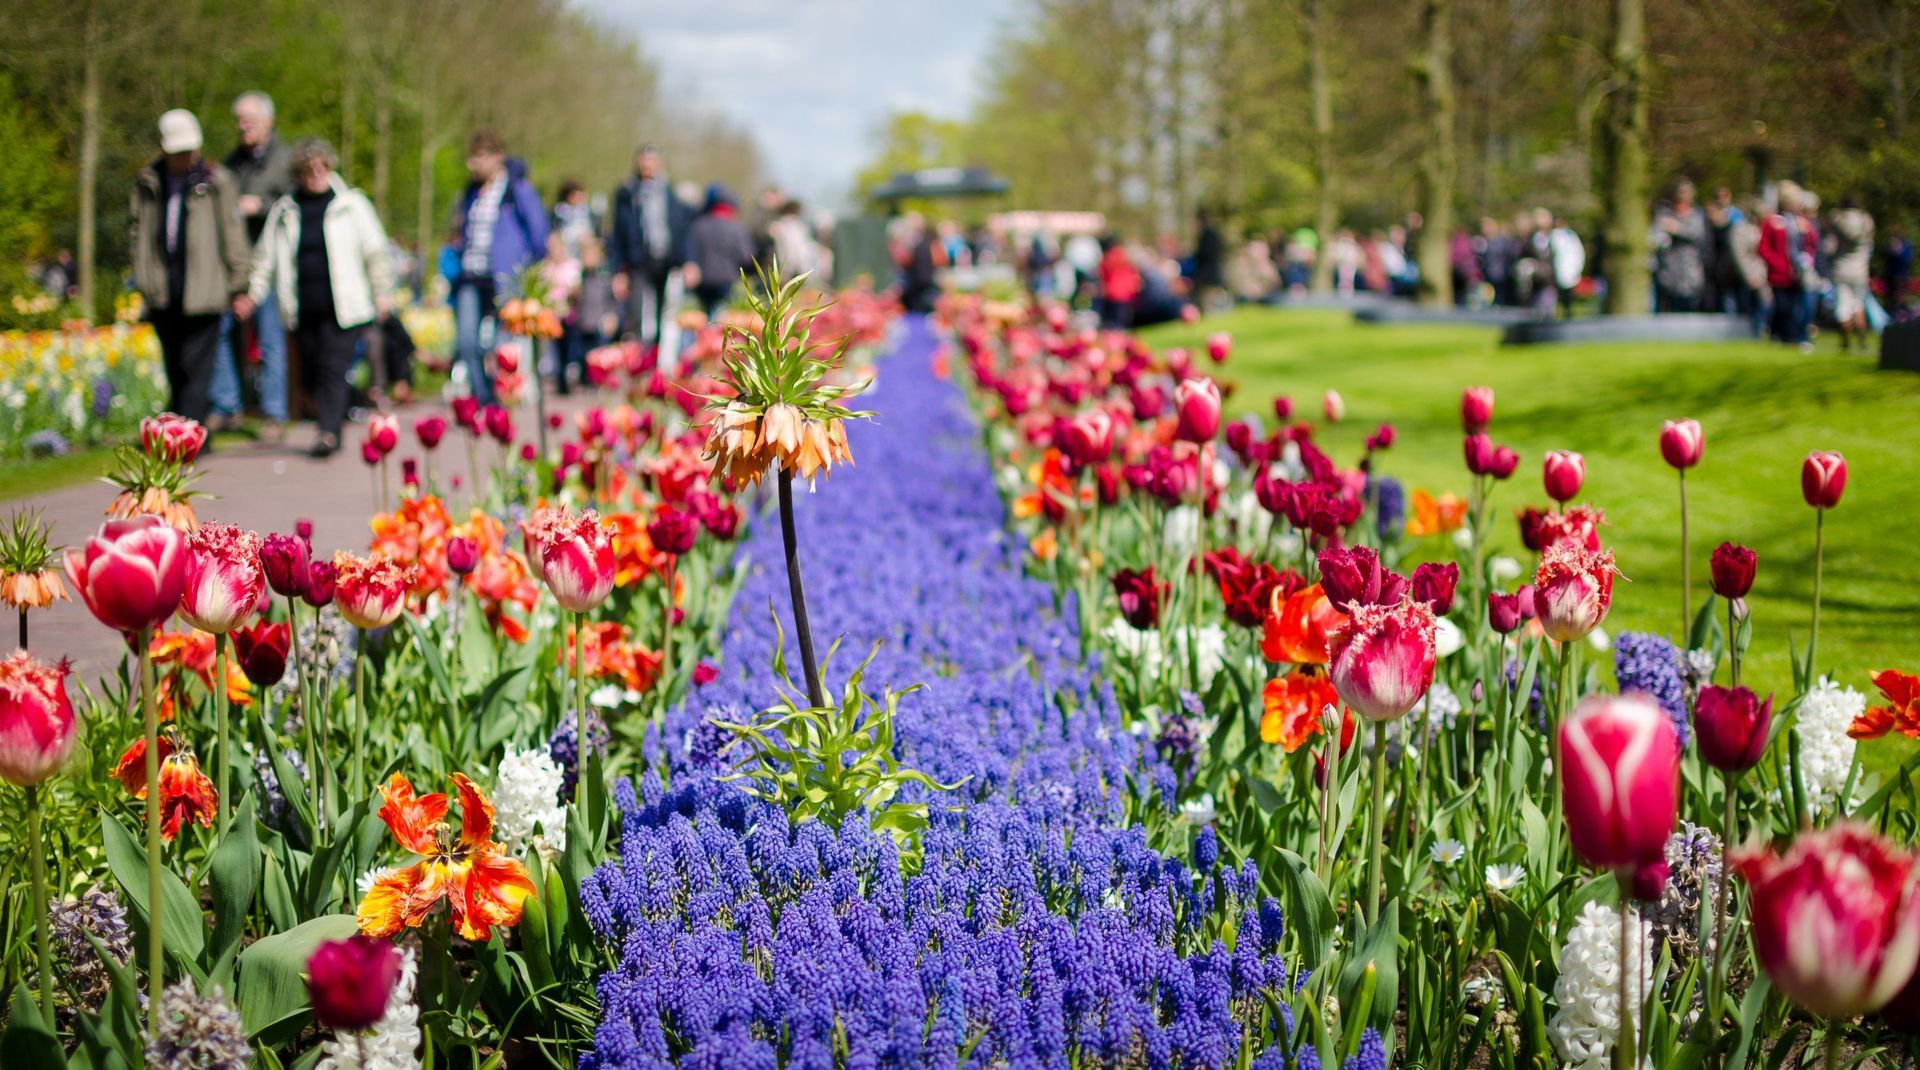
(370, 592)
(1381, 660)
(576, 558)
(224, 578)
(1572, 590)
(1620, 780)
(36, 720)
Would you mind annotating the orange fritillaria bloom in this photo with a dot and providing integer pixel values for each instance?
(1291, 707)
(1902, 711)
(1435, 516)
(186, 793)
(1297, 626)
(32, 590)
(481, 886)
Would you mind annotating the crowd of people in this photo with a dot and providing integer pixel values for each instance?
(236, 260)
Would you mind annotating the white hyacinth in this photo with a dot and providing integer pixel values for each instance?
(1181, 535)
(1586, 1020)
(526, 795)
(1146, 646)
(393, 1041)
(1826, 751)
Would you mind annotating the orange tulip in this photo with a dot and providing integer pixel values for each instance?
(482, 887)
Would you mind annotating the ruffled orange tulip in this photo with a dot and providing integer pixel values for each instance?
(1902, 711)
(186, 793)
(1291, 708)
(482, 887)
(1297, 626)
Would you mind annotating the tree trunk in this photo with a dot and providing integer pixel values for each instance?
(89, 161)
(1434, 72)
(1326, 212)
(427, 245)
(1623, 148)
(1897, 74)
(382, 148)
(349, 98)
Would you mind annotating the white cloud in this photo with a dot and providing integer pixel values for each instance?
(814, 79)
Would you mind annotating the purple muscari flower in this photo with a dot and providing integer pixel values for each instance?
(1206, 849)
(563, 747)
(1390, 509)
(103, 392)
(1372, 1054)
(1646, 662)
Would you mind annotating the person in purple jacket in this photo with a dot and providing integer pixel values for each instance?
(499, 228)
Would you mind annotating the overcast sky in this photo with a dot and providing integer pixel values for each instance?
(814, 79)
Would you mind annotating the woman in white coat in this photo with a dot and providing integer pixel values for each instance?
(323, 254)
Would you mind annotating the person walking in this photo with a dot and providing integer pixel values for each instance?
(1851, 231)
(1569, 256)
(262, 169)
(574, 219)
(719, 248)
(649, 243)
(1119, 285)
(190, 257)
(500, 227)
(1787, 246)
(1680, 249)
(323, 258)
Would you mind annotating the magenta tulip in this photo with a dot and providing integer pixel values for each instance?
(673, 531)
(1197, 404)
(1563, 472)
(1088, 437)
(1478, 451)
(1731, 724)
(1476, 408)
(1823, 476)
(1620, 780)
(36, 720)
(224, 582)
(383, 432)
(349, 981)
(131, 573)
(321, 579)
(430, 430)
(1219, 346)
(285, 561)
(1381, 660)
(1682, 443)
(1353, 575)
(1733, 570)
(171, 437)
(463, 555)
(1836, 922)
(1434, 584)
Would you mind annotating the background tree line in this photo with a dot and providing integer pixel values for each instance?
(1282, 113)
(396, 87)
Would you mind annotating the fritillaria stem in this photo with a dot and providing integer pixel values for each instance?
(156, 941)
(43, 942)
(23, 628)
(815, 697)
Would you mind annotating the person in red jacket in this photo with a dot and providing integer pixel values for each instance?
(1119, 285)
(1787, 245)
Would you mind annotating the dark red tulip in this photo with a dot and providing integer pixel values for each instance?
(1283, 408)
(1434, 584)
(285, 560)
(673, 532)
(1731, 724)
(1733, 569)
(262, 651)
(320, 580)
(1506, 612)
(349, 981)
(1353, 576)
(430, 430)
(1139, 595)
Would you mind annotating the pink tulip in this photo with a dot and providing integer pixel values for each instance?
(285, 560)
(1563, 472)
(1477, 449)
(131, 573)
(1731, 724)
(321, 580)
(1506, 612)
(1573, 590)
(1681, 443)
(1620, 780)
(1823, 476)
(1836, 923)
(1219, 346)
(349, 981)
(463, 555)
(1503, 463)
(1283, 408)
(224, 579)
(1333, 407)
(370, 592)
(36, 720)
(430, 430)
(1197, 403)
(673, 531)
(1476, 408)
(171, 437)
(1381, 660)
(383, 430)
(576, 557)
(1088, 438)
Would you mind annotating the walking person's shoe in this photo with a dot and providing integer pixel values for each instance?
(325, 446)
(271, 431)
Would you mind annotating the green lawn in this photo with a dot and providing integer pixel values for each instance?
(31, 477)
(1762, 408)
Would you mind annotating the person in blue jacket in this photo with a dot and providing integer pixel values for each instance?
(499, 228)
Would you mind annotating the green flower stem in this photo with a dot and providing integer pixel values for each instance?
(1624, 1047)
(156, 939)
(360, 714)
(666, 630)
(220, 715)
(1832, 1060)
(307, 716)
(43, 943)
(1723, 928)
(1686, 563)
(1819, 563)
(580, 708)
(1376, 839)
(815, 696)
(1733, 645)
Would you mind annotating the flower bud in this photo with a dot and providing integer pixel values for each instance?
(1563, 472)
(1731, 725)
(1681, 443)
(1823, 476)
(1733, 569)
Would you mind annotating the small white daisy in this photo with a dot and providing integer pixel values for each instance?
(1505, 878)
(1449, 851)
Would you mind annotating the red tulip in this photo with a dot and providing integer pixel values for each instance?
(262, 651)
(463, 555)
(1434, 584)
(499, 423)
(1381, 660)
(1088, 437)
(1731, 724)
(1478, 451)
(722, 520)
(1476, 408)
(131, 573)
(1823, 476)
(321, 580)
(370, 592)
(1620, 780)
(1681, 442)
(1573, 590)
(1283, 408)
(1504, 463)
(224, 582)
(1836, 923)
(466, 413)
(430, 430)
(284, 561)
(673, 531)
(1197, 402)
(383, 432)
(704, 673)
(1219, 346)
(576, 557)
(370, 454)
(1354, 576)
(171, 437)
(304, 529)
(349, 981)
(36, 720)
(1333, 406)
(1733, 569)
(1139, 595)
(1563, 472)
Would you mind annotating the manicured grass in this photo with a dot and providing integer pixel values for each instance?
(1762, 408)
(28, 478)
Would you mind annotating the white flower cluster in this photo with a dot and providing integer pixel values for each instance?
(1146, 646)
(392, 1042)
(1182, 532)
(1587, 995)
(526, 793)
(1826, 751)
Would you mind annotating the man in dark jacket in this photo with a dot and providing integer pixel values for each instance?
(718, 249)
(500, 229)
(649, 243)
(190, 257)
(262, 168)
